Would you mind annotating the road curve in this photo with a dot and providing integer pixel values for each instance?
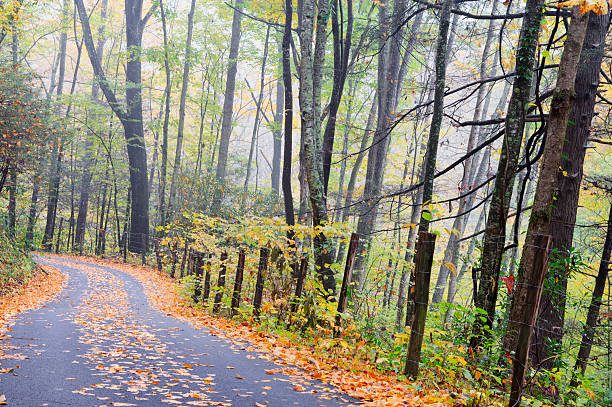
(101, 344)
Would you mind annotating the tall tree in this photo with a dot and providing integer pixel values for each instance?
(592, 318)
(164, 147)
(546, 190)
(262, 83)
(131, 116)
(288, 125)
(277, 130)
(311, 81)
(12, 204)
(342, 49)
(90, 157)
(228, 106)
(181, 124)
(470, 169)
(549, 330)
(495, 231)
(58, 145)
(388, 81)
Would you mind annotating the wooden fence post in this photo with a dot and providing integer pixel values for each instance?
(259, 286)
(348, 272)
(534, 279)
(238, 282)
(220, 283)
(422, 274)
(207, 279)
(198, 265)
(59, 235)
(299, 284)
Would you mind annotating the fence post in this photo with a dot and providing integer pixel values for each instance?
(348, 272)
(422, 274)
(299, 284)
(198, 265)
(238, 282)
(263, 266)
(534, 280)
(220, 283)
(207, 279)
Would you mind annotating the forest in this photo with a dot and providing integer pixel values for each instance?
(414, 190)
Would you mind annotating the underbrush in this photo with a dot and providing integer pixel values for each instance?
(16, 265)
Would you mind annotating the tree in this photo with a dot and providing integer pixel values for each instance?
(228, 106)
(90, 158)
(389, 79)
(549, 330)
(495, 230)
(546, 190)
(311, 76)
(130, 117)
(181, 123)
(288, 125)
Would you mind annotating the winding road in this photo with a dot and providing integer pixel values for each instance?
(100, 343)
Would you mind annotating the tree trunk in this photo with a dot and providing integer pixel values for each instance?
(131, 117)
(90, 158)
(262, 82)
(181, 123)
(342, 48)
(288, 127)
(388, 81)
(164, 149)
(449, 263)
(546, 190)
(311, 75)
(596, 301)
(277, 131)
(58, 147)
(549, 330)
(228, 106)
(495, 232)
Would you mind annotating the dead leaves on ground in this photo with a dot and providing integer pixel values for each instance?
(43, 286)
(355, 377)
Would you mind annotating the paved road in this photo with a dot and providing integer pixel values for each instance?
(101, 344)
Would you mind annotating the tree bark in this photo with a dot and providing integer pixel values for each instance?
(164, 149)
(449, 263)
(131, 117)
(495, 232)
(257, 113)
(546, 190)
(58, 147)
(228, 107)
(288, 126)
(549, 330)
(277, 130)
(596, 301)
(90, 158)
(311, 74)
(342, 48)
(181, 123)
(388, 81)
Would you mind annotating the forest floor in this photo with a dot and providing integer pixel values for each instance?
(121, 335)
